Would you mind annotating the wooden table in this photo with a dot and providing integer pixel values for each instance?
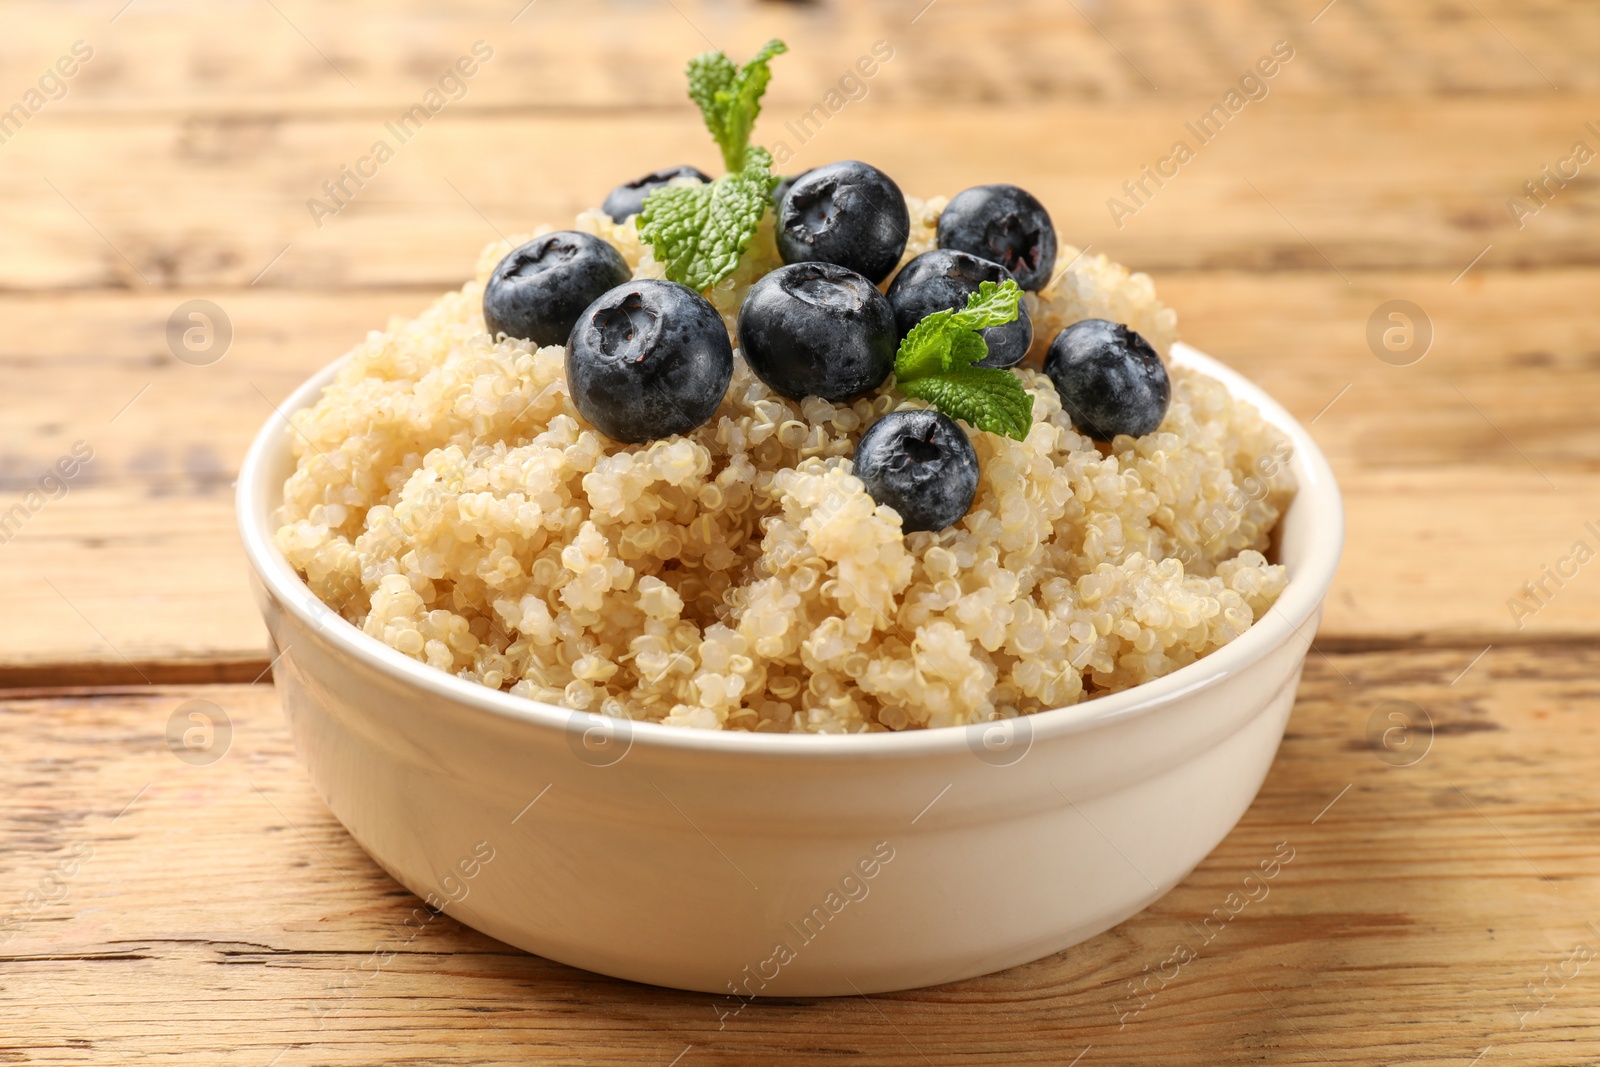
(1443, 902)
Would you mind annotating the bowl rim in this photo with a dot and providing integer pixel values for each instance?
(1300, 600)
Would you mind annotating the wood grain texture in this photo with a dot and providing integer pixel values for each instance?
(296, 55)
(218, 909)
(1422, 185)
(1502, 403)
(1432, 913)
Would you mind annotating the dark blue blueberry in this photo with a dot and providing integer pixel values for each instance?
(943, 279)
(1109, 379)
(539, 290)
(648, 360)
(921, 464)
(785, 183)
(1005, 224)
(846, 213)
(818, 329)
(628, 199)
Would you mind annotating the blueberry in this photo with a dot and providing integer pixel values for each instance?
(785, 183)
(1005, 224)
(1109, 379)
(628, 199)
(943, 279)
(846, 213)
(648, 360)
(539, 290)
(818, 329)
(921, 464)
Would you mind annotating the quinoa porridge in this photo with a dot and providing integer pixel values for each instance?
(450, 500)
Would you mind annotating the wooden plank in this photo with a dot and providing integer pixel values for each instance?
(1257, 198)
(260, 59)
(1448, 518)
(1426, 913)
(1431, 910)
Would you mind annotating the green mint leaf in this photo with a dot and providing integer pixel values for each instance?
(991, 305)
(711, 73)
(699, 231)
(926, 349)
(936, 363)
(989, 398)
(729, 97)
(967, 348)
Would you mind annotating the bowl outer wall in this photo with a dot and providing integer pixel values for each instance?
(689, 859)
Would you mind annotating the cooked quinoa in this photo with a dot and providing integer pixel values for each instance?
(448, 500)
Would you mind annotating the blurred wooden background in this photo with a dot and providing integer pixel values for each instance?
(1431, 910)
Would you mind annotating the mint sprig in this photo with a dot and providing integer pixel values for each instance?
(936, 363)
(730, 97)
(698, 232)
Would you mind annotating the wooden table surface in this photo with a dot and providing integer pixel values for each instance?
(1443, 902)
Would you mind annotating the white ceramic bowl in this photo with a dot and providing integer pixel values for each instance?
(757, 864)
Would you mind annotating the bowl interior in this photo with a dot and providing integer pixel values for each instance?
(1309, 542)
